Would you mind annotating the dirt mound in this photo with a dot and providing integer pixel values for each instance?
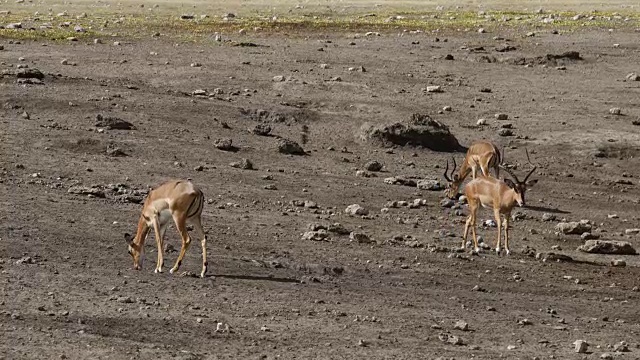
(420, 130)
(565, 58)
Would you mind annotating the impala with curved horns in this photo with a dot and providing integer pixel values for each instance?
(501, 196)
(482, 154)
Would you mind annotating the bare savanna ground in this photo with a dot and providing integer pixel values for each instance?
(68, 288)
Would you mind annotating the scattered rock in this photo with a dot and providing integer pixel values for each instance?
(502, 116)
(286, 146)
(447, 203)
(115, 151)
(399, 180)
(451, 339)
(245, 164)
(270, 187)
(25, 260)
(432, 185)
(29, 73)
(505, 132)
(356, 209)
(633, 77)
(632, 231)
(373, 165)
(615, 111)
(589, 236)
(319, 235)
(113, 123)
(359, 238)
(621, 347)
(608, 247)
(606, 356)
(461, 325)
(420, 131)
(481, 122)
(261, 129)
(581, 346)
(548, 217)
(574, 227)
(225, 144)
(505, 48)
(434, 89)
(618, 263)
(85, 190)
(338, 229)
(278, 78)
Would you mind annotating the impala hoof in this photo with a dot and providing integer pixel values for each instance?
(498, 250)
(173, 270)
(158, 271)
(507, 252)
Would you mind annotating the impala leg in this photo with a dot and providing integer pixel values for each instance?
(470, 220)
(197, 224)
(180, 220)
(159, 232)
(497, 170)
(506, 234)
(485, 170)
(474, 171)
(499, 223)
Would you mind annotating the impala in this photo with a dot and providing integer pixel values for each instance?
(483, 154)
(177, 199)
(501, 196)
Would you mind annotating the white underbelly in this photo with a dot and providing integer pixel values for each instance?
(163, 218)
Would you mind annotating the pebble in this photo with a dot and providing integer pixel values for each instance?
(434, 89)
(356, 209)
(581, 346)
(615, 111)
(461, 325)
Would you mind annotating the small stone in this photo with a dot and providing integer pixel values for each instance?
(373, 165)
(501, 116)
(359, 238)
(615, 111)
(199, 320)
(634, 231)
(356, 209)
(224, 144)
(245, 164)
(633, 77)
(265, 328)
(116, 43)
(531, 34)
(261, 129)
(481, 122)
(505, 132)
(362, 343)
(511, 347)
(196, 64)
(621, 347)
(447, 108)
(25, 115)
(97, 41)
(461, 325)
(573, 227)
(618, 263)
(434, 89)
(270, 187)
(606, 356)
(581, 346)
(278, 78)
(432, 185)
(447, 203)
(548, 217)
(286, 146)
(481, 31)
(319, 235)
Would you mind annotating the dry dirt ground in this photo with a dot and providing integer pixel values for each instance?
(68, 288)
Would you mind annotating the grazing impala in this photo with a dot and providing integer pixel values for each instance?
(483, 154)
(177, 199)
(501, 196)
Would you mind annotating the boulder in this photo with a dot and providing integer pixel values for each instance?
(608, 247)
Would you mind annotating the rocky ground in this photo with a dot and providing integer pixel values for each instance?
(272, 133)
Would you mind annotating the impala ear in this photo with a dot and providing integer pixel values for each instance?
(128, 238)
(510, 183)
